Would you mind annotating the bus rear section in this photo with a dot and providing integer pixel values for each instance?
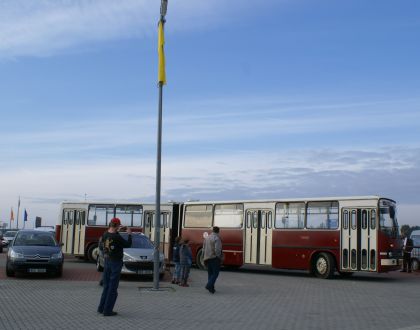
(81, 224)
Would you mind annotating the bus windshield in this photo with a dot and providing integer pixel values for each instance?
(388, 217)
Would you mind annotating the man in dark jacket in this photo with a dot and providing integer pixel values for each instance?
(407, 248)
(113, 245)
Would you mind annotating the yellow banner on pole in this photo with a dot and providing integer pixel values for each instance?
(161, 43)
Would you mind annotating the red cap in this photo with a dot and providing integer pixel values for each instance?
(116, 221)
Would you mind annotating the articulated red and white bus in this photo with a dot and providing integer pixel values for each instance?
(81, 224)
(347, 234)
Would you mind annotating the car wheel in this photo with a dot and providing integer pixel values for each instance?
(323, 265)
(99, 268)
(93, 252)
(9, 271)
(59, 273)
(199, 260)
(415, 264)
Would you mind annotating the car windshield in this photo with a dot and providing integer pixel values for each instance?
(10, 234)
(139, 241)
(34, 239)
(416, 240)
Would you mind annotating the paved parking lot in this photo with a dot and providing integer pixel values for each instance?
(245, 299)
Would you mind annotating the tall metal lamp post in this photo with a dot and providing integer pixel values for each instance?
(161, 82)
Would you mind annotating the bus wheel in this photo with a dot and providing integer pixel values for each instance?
(415, 264)
(93, 252)
(323, 266)
(199, 260)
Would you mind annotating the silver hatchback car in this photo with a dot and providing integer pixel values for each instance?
(138, 259)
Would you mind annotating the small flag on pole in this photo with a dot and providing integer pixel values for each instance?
(25, 216)
(161, 43)
(12, 216)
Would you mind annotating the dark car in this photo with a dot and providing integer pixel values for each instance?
(138, 259)
(34, 251)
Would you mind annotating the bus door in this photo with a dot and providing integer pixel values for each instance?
(164, 232)
(358, 239)
(73, 232)
(79, 232)
(67, 231)
(258, 237)
(147, 223)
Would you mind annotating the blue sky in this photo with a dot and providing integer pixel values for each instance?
(264, 100)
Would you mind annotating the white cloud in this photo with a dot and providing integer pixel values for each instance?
(247, 175)
(225, 120)
(45, 27)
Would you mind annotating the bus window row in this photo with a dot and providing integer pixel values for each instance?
(311, 215)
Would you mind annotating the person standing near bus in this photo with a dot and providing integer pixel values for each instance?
(185, 260)
(213, 257)
(113, 245)
(407, 248)
(176, 277)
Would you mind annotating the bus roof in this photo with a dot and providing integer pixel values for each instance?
(320, 199)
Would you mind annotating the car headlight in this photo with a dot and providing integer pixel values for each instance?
(128, 257)
(58, 255)
(16, 255)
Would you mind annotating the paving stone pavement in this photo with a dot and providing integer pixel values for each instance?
(245, 299)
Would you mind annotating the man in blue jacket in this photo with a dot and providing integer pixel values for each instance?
(113, 245)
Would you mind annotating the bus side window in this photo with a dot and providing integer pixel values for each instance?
(373, 219)
(346, 220)
(364, 219)
(255, 219)
(353, 219)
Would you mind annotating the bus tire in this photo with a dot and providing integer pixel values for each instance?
(199, 260)
(323, 265)
(415, 264)
(92, 252)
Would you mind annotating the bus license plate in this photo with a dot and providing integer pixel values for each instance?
(37, 270)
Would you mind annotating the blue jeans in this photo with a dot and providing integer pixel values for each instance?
(111, 277)
(177, 272)
(213, 268)
(185, 273)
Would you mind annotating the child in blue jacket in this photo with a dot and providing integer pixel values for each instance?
(185, 255)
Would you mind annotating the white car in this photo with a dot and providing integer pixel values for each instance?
(9, 236)
(138, 259)
(415, 253)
